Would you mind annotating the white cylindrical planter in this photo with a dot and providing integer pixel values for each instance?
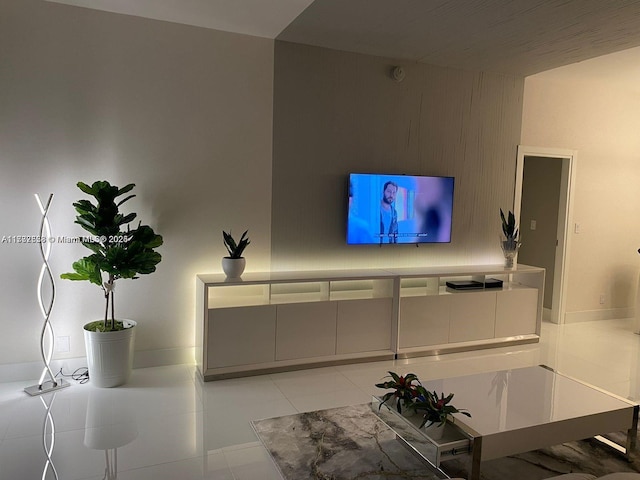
(233, 267)
(110, 355)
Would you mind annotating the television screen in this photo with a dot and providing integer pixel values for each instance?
(399, 209)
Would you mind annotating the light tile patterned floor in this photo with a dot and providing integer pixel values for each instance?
(166, 424)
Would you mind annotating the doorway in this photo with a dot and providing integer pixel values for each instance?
(549, 174)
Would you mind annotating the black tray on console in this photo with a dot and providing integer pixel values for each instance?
(474, 284)
(465, 285)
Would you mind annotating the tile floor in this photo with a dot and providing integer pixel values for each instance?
(166, 424)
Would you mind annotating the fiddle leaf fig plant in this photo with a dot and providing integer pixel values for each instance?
(117, 250)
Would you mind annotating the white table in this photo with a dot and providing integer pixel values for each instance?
(519, 410)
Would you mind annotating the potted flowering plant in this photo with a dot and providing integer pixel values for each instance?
(405, 390)
(436, 408)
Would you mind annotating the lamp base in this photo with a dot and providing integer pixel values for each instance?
(46, 387)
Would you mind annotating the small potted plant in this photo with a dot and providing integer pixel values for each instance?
(436, 410)
(233, 265)
(117, 251)
(405, 390)
(510, 244)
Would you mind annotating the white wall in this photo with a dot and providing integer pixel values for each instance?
(183, 112)
(599, 118)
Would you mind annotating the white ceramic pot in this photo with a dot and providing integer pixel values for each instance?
(110, 355)
(233, 267)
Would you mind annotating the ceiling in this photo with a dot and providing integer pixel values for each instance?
(261, 18)
(516, 37)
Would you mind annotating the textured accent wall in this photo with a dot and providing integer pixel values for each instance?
(337, 112)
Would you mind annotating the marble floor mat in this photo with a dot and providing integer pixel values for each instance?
(351, 443)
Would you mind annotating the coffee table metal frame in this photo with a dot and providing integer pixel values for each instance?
(462, 439)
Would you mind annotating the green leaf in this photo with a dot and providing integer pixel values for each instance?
(94, 247)
(85, 269)
(125, 189)
(509, 225)
(126, 219)
(85, 188)
(235, 249)
(410, 377)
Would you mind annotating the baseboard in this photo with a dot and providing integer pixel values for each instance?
(604, 314)
(31, 371)
(164, 356)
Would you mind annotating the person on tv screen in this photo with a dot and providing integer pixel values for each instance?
(357, 228)
(388, 214)
(433, 205)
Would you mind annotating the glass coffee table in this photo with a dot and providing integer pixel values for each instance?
(514, 411)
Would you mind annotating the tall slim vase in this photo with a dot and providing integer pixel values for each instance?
(510, 250)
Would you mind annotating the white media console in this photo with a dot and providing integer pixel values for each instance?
(278, 321)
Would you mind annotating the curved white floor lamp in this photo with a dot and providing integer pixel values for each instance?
(46, 337)
(48, 437)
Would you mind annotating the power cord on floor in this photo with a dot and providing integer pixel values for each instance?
(80, 375)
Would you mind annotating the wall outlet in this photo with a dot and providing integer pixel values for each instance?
(533, 225)
(63, 344)
(602, 298)
(576, 228)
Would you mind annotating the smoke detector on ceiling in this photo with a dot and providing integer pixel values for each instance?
(398, 74)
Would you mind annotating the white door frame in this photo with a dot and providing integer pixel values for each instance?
(565, 217)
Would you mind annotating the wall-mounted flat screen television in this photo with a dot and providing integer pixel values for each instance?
(399, 209)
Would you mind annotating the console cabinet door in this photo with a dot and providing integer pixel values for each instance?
(473, 316)
(424, 320)
(364, 325)
(516, 312)
(241, 336)
(305, 330)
